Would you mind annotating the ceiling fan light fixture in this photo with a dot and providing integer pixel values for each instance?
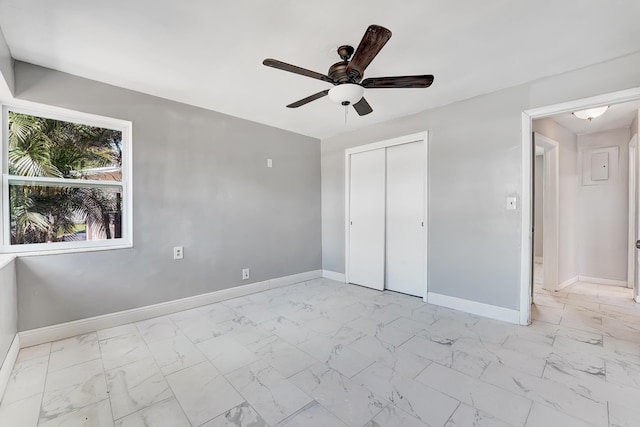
(591, 113)
(346, 93)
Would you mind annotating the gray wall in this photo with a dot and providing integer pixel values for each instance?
(201, 181)
(8, 308)
(474, 164)
(6, 68)
(603, 213)
(538, 207)
(568, 186)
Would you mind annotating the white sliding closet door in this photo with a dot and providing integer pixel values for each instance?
(405, 218)
(367, 219)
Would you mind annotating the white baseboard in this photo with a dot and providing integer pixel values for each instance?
(537, 260)
(8, 364)
(295, 278)
(474, 307)
(91, 324)
(566, 283)
(338, 277)
(601, 281)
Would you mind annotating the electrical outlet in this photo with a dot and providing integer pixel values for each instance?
(245, 273)
(269, 163)
(178, 252)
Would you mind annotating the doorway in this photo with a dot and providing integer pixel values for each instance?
(527, 259)
(385, 215)
(546, 219)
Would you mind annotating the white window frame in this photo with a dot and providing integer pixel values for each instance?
(55, 113)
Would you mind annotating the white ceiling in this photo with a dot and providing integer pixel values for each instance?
(209, 53)
(616, 117)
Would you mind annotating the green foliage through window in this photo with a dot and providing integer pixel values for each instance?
(43, 212)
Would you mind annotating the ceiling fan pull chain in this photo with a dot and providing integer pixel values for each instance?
(346, 110)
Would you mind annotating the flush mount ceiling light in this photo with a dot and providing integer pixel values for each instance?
(591, 113)
(346, 93)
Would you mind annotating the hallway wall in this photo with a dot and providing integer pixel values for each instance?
(568, 195)
(538, 203)
(603, 216)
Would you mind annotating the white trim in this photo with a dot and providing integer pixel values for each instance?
(474, 307)
(525, 226)
(526, 237)
(566, 283)
(638, 299)
(347, 213)
(425, 273)
(632, 260)
(7, 365)
(332, 275)
(601, 281)
(62, 182)
(65, 114)
(279, 282)
(91, 324)
(421, 136)
(584, 103)
(126, 183)
(104, 247)
(537, 260)
(66, 247)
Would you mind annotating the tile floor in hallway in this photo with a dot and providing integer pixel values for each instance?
(322, 353)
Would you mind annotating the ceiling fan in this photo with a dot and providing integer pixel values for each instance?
(346, 75)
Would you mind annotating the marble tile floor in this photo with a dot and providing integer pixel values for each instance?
(322, 353)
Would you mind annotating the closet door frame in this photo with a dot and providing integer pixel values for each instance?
(416, 137)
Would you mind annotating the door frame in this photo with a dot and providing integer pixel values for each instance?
(551, 210)
(526, 238)
(416, 137)
(633, 203)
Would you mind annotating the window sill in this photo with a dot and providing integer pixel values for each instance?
(41, 252)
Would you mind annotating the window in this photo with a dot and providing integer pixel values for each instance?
(65, 181)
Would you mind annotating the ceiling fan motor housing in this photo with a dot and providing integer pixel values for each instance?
(338, 72)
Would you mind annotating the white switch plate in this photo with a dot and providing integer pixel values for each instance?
(269, 163)
(178, 252)
(511, 203)
(245, 273)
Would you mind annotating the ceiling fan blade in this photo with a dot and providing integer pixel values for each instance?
(398, 82)
(296, 70)
(373, 40)
(362, 107)
(308, 99)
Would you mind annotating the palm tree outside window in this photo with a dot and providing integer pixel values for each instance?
(64, 181)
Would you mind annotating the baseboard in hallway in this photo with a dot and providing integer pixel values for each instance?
(601, 281)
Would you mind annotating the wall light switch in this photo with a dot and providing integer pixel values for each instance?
(269, 163)
(511, 203)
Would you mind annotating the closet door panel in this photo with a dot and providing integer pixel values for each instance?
(405, 218)
(367, 219)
